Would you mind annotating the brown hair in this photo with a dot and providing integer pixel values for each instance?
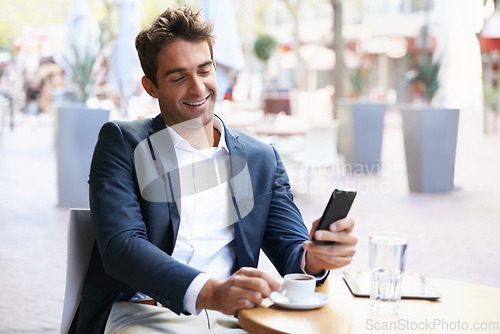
(171, 24)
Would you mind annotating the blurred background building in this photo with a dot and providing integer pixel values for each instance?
(384, 37)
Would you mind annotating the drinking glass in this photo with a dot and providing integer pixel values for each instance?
(387, 264)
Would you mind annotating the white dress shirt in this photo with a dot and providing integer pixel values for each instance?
(205, 240)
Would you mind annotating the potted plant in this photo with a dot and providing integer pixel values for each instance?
(77, 124)
(360, 78)
(361, 124)
(265, 47)
(430, 133)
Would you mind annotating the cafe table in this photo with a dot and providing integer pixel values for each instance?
(242, 119)
(463, 308)
(291, 128)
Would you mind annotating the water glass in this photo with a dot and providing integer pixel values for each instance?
(387, 264)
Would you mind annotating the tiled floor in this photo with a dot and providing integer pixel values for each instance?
(453, 235)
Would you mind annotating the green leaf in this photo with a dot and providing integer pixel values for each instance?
(427, 73)
(265, 46)
(360, 78)
(80, 67)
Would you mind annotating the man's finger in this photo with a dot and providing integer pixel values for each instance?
(273, 283)
(340, 238)
(253, 284)
(346, 224)
(330, 256)
(313, 228)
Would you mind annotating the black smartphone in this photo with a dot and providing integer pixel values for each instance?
(337, 208)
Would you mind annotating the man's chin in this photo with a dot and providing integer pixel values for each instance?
(195, 123)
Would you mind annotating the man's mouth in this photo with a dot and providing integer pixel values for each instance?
(197, 103)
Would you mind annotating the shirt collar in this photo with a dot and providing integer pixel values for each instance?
(181, 143)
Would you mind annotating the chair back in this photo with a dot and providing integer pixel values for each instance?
(320, 147)
(80, 242)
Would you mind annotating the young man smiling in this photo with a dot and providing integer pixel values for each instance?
(186, 87)
(181, 205)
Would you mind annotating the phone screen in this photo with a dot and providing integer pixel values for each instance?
(337, 208)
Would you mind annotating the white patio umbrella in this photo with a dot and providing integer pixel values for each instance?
(81, 27)
(125, 72)
(228, 53)
(82, 47)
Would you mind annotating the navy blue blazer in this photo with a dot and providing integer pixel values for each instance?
(136, 217)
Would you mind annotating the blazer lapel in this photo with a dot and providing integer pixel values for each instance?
(242, 193)
(166, 161)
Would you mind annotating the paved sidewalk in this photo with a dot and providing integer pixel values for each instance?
(452, 235)
(33, 230)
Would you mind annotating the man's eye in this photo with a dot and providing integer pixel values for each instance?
(179, 79)
(205, 73)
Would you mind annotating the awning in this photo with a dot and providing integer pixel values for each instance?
(490, 35)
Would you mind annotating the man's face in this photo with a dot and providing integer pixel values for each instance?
(186, 83)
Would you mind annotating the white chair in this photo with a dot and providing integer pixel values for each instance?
(319, 150)
(80, 242)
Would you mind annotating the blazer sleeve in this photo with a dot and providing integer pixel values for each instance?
(121, 232)
(285, 229)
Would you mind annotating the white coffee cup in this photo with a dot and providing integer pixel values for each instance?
(299, 287)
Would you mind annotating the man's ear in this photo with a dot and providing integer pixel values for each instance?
(149, 86)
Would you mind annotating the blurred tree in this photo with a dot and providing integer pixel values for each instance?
(16, 15)
(265, 46)
(294, 7)
(108, 24)
(338, 46)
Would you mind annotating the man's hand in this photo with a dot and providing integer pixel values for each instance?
(244, 289)
(327, 257)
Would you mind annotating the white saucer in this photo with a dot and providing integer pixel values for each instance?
(318, 299)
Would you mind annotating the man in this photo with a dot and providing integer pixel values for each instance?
(181, 205)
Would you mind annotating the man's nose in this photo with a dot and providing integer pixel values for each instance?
(196, 85)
